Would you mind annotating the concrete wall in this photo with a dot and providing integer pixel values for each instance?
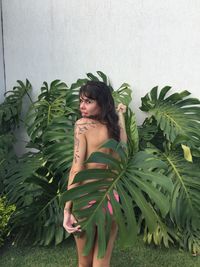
(144, 43)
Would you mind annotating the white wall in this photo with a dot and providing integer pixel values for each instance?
(144, 43)
(2, 85)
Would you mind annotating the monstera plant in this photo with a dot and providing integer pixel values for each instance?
(37, 180)
(156, 174)
(175, 140)
(34, 184)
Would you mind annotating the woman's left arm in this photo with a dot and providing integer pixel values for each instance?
(121, 109)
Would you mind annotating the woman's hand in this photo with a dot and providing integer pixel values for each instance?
(69, 221)
(121, 108)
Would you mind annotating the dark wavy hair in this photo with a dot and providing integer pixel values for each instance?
(100, 92)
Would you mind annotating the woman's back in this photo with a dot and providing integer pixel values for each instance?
(96, 134)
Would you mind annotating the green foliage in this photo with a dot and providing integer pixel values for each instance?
(132, 132)
(158, 187)
(37, 180)
(10, 111)
(171, 133)
(177, 116)
(186, 193)
(5, 214)
(7, 156)
(123, 94)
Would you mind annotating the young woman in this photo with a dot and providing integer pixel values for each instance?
(99, 123)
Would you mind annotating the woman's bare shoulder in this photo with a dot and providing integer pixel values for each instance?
(83, 121)
(84, 125)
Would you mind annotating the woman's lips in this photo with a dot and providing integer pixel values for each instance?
(84, 113)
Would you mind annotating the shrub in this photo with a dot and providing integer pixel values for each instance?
(5, 213)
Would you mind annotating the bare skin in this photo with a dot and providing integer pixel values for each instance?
(89, 135)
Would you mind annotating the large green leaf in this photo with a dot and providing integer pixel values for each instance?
(10, 109)
(132, 132)
(162, 233)
(123, 94)
(35, 191)
(58, 143)
(16, 189)
(133, 178)
(50, 105)
(176, 115)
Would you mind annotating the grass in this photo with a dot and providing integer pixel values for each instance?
(139, 255)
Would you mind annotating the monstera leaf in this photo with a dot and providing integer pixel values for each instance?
(10, 109)
(185, 198)
(34, 189)
(123, 94)
(135, 179)
(58, 143)
(132, 132)
(17, 191)
(176, 115)
(162, 234)
(50, 104)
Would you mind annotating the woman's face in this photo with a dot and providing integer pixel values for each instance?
(89, 107)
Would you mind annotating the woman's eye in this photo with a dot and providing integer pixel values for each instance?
(86, 101)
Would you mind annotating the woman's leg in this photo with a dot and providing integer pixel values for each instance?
(83, 261)
(105, 262)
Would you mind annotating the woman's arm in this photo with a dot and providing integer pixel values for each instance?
(78, 158)
(77, 165)
(121, 109)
